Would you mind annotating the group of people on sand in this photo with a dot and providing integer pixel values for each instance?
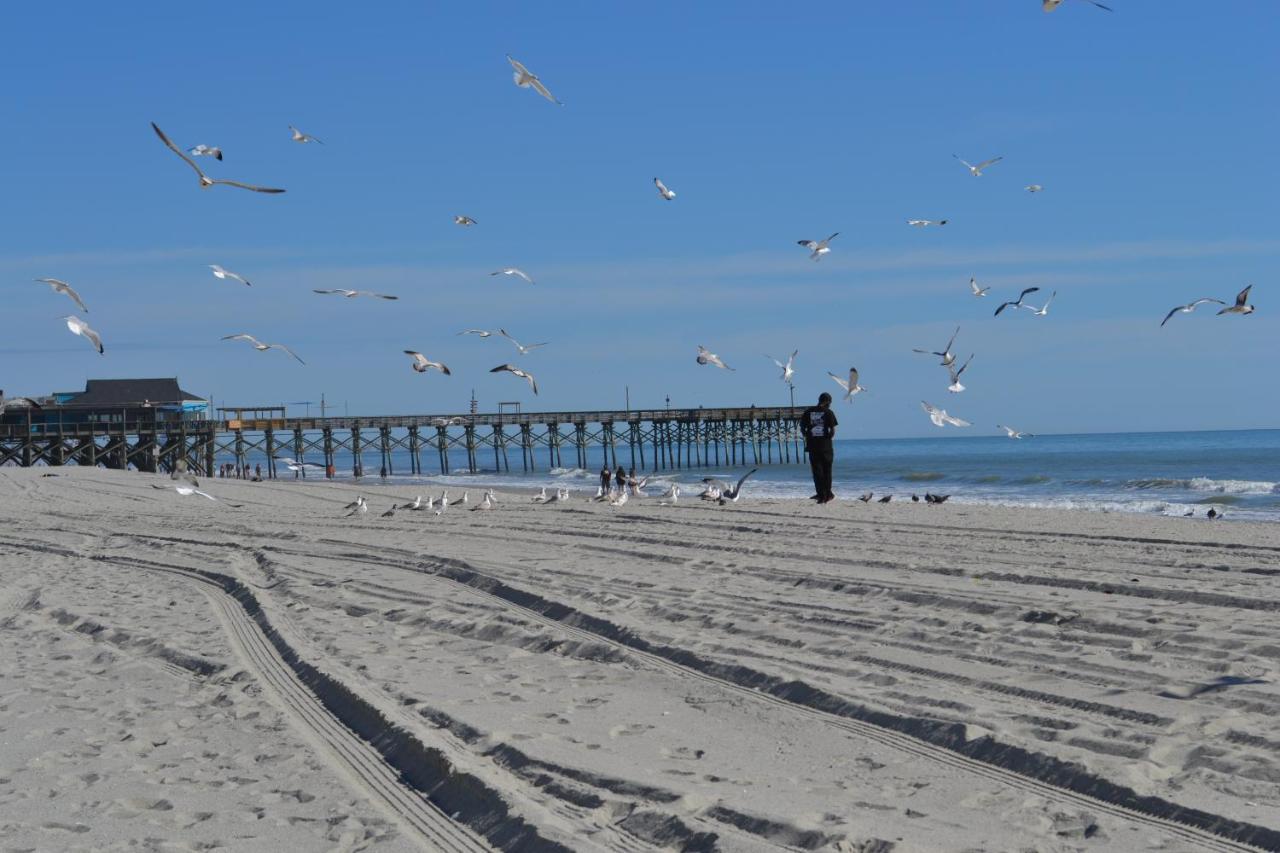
(231, 470)
(619, 482)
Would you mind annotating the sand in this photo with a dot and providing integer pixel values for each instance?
(180, 674)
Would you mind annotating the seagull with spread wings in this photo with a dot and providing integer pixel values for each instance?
(259, 345)
(663, 191)
(516, 271)
(849, 385)
(940, 416)
(523, 348)
(1189, 307)
(422, 364)
(80, 327)
(351, 294)
(464, 221)
(955, 387)
(788, 369)
(299, 136)
(1017, 303)
(925, 223)
(706, 356)
(60, 286)
(219, 272)
(481, 332)
(205, 180)
(1043, 309)
(948, 357)
(1013, 433)
(525, 375)
(525, 79)
(818, 248)
(1242, 305)
(977, 291)
(976, 171)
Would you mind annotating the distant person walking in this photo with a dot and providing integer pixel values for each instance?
(819, 425)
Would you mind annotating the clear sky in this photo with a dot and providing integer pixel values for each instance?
(1152, 129)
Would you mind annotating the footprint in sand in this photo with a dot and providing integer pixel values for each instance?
(629, 729)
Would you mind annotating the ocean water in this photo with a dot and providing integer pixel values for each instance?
(1160, 472)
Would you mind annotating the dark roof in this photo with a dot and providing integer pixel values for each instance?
(123, 392)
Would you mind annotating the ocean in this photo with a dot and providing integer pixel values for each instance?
(1172, 473)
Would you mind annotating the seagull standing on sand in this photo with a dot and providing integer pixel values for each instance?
(59, 286)
(1043, 309)
(523, 348)
(206, 151)
(1242, 305)
(1050, 5)
(925, 223)
(205, 180)
(818, 248)
(732, 494)
(525, 78)
(299, 136)
(976, 171)
(940, 416)
(977, 291)
(464, 221)
(351, 294)
(1017, 303)
(788, 369)
(422, 364)
(1189, 307)
(80, 327)
(850, 385)
(705, 356)
(1013, 433)
(259, 345)
(525, 375)
(513, 271)
(948, 358)
(219, 272)
(955, 387)
(663, 191)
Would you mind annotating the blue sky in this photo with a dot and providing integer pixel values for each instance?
(1150, 129)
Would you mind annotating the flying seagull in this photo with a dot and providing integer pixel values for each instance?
(1242, 305)
(1013, 433)
(60, 286)
(299, 136)
(1189, 307)
(351, 294)
(955, 387)
(788, 369)
(1050, 5)
(525, 78)
(1016, 303)
(464, 221)
(662, 190)
(523, 348)
(1033, 188)
(940, 416)
(422, 364)
(850, 385)
(705, 356)
(185, 491)
(205, 180)
(219, 272)
(1043, 309)
(511, 368)
(925, 223)
(948, 358)
(513, 271)
(976, 171)
(818, 248)
(977, 291)
(259, 345)
(206, 151)
(481, 332)
(80, 327)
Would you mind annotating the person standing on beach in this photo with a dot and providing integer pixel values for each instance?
(605, 479)
(620, 480)
(819, 425)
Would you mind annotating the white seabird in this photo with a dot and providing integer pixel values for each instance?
(206, 151)
(259, 345)
(299, 136)
(818, 248)
(511, 368)
(1043, 309)
(1189, 307)
(1242, 305)
(1017, 303)
(948, 358)
(525, 78)
(1033, 188)
(205, 180)
(481, 332)
(513, 271)
(422, 364)
(464, 221)
(734, 492)
(940, 416)
(663, 191)
(977, 291)
(849, 385)
(1013, 433)
(705, 356)
(788, 369)
(523, 348)
(80, 327)
(351, 294)
(955, 387)
(185, 491)
(976, 171)
(219, 272)
(60, 286)
(925, 223)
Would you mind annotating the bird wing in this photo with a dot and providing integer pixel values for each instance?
(176, 150)
(380, 295)
(1242, 298)
(70, 291)
(791, 361)
(1023, 294)
(832, 237)
(662, 188)
(1100, 6)
(853, 379)
(515, 63)
(503, 332)
(203, 494)
(241, 337)
(544, 92)
(247, 186)
(973, 282)
(947, 349)
(962, 160)
(1174, 311)
(781, 366)
(930, 410)
(743, 479)
(955, 374)
(808, 244)
(1003, 305)
(1047, 301)
(954, 421)
(329, 291)
(522, 274)
(985, 163)
(92, 336)
(286, 349)
(1206, 299)
(418, 357)
(533, 383)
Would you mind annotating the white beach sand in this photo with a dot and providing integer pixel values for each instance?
(176, 673)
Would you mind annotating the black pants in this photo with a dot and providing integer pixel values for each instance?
(820, 459)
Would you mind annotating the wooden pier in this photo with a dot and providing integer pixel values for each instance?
(646, 440)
